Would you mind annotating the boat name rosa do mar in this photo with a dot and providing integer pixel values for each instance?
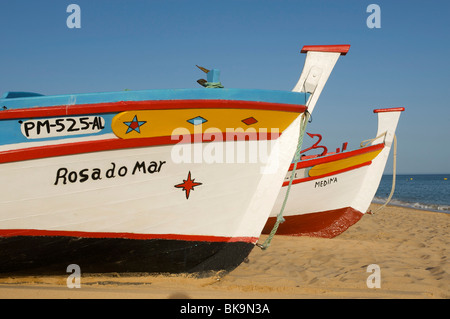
(64, 175)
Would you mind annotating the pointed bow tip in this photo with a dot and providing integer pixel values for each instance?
(392, 109)
(338, 48)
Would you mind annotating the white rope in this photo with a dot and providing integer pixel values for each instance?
(393, 177)
(369, 141)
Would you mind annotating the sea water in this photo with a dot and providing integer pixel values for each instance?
(427, 192)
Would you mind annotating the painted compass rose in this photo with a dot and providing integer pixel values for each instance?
(188, 185)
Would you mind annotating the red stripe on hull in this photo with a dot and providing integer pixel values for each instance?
(327, 224)
(115, 144)
(306, 179)
(114, 107)
(81, 234)
(335, 157)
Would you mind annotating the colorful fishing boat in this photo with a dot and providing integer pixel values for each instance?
(147, 181)
(331, 191)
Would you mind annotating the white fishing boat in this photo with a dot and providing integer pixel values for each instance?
(147, 181)
(330, 192)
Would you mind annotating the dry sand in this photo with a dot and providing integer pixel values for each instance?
(411, 248)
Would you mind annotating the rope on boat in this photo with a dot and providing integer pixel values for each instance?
(280, 219)
(394, 169)
(369, 141)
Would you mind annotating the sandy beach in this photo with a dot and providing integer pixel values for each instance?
(410, 247)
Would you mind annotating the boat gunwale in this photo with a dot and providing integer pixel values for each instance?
(115, 107)
(337, 156)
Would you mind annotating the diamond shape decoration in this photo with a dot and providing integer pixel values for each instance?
(197, 120)
(249, 121)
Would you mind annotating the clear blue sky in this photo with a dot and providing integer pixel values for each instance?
(256, 44)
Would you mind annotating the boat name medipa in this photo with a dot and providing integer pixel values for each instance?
(325, 182)
(63, 175)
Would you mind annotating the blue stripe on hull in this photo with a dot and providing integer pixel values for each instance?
(271, 96)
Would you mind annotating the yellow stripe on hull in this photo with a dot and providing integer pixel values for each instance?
(322, 169)
(154, 123)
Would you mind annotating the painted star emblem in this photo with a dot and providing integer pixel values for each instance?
(188, 185)
(134, 125)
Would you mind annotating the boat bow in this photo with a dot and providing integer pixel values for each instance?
(319, 63)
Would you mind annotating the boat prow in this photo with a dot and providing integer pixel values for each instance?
(146, 181)
(319, 63)
(330, 193)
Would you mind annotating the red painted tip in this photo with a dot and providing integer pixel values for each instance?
(393, 109)
(340, 48)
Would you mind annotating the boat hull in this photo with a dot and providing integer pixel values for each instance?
(138, 222)
(130, 211)
(331, 193)
(321, 207)
(50, 255)
(325, 224)
(153, 189)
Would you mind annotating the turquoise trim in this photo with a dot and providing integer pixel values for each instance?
(271, 96)
(14, 95)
